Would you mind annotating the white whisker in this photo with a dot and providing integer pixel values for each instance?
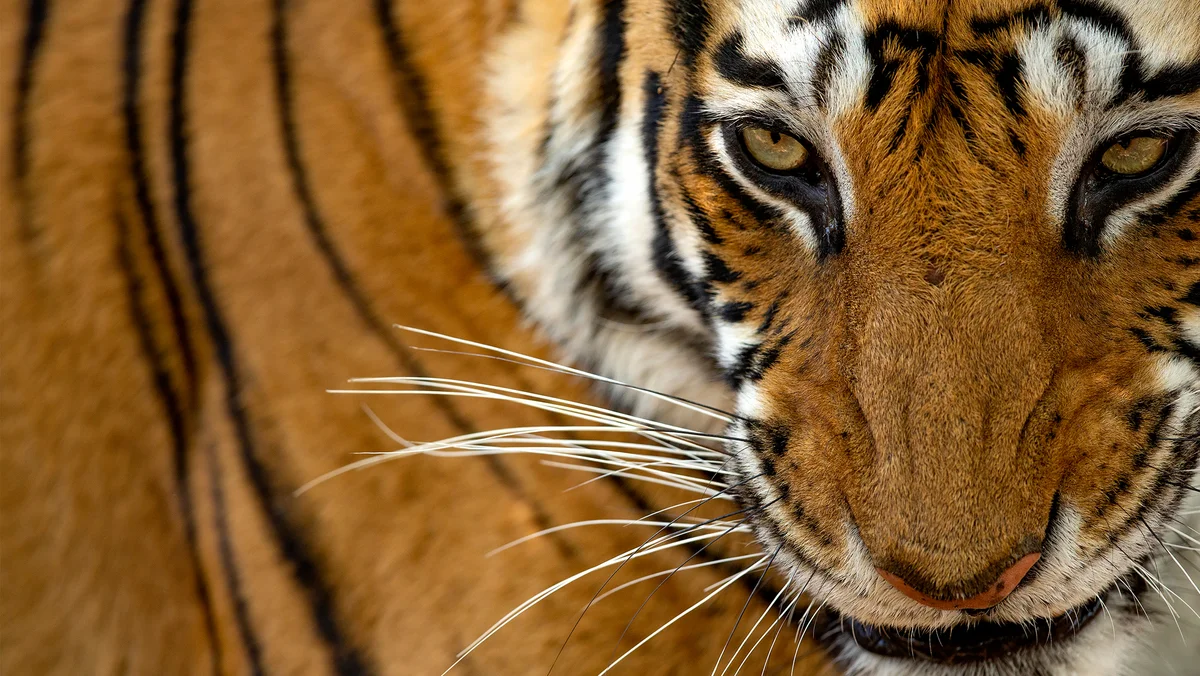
(750, 632)
(715, 525)
(704, 410)
(671, 571)
(724, 585)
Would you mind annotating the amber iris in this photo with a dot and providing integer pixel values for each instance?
(1135, 155)
(774, 150)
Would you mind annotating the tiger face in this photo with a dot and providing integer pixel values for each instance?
(942, 260)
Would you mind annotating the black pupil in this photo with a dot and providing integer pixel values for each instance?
(776, 137)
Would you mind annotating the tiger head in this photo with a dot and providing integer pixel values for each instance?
(941, 259)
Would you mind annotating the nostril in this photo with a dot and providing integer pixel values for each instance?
(994, 594)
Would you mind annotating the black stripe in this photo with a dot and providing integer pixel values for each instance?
(1030, 17)
(698, 216)
(814, 11)
(586, 176)
(1008, 82)
(346, 280)
(743, 364)
(822, 70)
(769, 317)
(1112, 22)
(241, 612)
(921, 44)
(690, 24)
(173, 409)
(718, 270)
(1073, 60)
(1192, 297)
(733, 65)
(132, 67)
(412, 96)
(1173, 81)
(734, 311)
(663, 252)
(1017, 144)
(901, 129)
(304, 567)
(175, 404)
(35, 26)
(612, 54)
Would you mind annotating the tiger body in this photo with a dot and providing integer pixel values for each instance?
(945, 345)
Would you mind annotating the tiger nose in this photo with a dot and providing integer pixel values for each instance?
(994, 594)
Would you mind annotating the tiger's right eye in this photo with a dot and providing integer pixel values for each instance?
(774, 150)
(1134, 156)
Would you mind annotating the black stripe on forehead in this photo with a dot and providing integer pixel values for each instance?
(735, 66)
(1172, 81)
(1110, 21)
(1034, 15)
(924, 45)
(814, 11)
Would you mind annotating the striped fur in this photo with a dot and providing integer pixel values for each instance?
(939, 346)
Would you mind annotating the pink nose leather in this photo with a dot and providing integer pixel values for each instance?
(997, 592)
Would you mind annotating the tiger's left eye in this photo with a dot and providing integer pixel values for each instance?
(1134, 156)
(774, 150)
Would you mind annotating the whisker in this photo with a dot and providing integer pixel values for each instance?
(625, 473)
(787, 613)
(757, 622)
(717, 525)
(430, 448)
(1177, 563)
(694, 566)
(664, 580)
(729, 581)
(720, 414)
(545, 593)
(699, 408)
(448, 387)
(745, 606)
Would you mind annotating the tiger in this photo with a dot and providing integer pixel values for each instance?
(905, 295)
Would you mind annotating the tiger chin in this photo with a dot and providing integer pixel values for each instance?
(942, 261)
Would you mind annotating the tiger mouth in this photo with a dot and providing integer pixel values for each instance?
(980, 642)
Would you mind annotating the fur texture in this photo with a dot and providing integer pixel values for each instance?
(215, 210)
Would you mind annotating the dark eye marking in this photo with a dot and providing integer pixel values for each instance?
(1100, 190)
(812, 187)
(733, 65)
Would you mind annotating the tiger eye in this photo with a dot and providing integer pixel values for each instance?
(1134, 156)
(774, 150)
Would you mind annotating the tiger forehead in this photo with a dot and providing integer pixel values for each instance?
(1163, 34)
(1169, 27)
